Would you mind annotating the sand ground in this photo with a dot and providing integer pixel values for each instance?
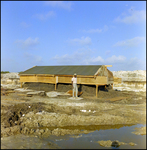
(43, 116)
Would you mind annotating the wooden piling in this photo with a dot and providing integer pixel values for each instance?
(112, 86)
(96, 89)
(105, 87)
(55, 86)
(21, 84)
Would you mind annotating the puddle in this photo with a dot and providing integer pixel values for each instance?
(26, 142)
(89, 141)
(122, 133)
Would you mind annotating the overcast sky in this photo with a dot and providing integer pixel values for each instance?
(45, 33)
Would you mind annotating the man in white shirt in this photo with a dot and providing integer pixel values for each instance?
(74, 85)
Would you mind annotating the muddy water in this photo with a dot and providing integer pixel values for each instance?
(79, 141)
(26, 142)
(89, 141)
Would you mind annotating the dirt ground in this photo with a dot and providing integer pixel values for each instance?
(43, 116)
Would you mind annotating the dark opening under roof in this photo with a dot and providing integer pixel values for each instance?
(89, 70)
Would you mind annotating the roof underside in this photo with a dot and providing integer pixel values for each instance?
(89, 70)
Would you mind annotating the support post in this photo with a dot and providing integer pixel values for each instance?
(55, 86)
(20, 84)
(105, 87)
(96, 89)
(112, 86)
(56, 81)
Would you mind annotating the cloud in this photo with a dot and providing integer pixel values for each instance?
(60, 4)
(131, 65)
(33, 58)
(132, 16)
(110, 60)
(45, 16)
(84, 58)
(24, 24)
(131, 42)
(94, 61)
(81, 41)
(29, 42)
(135, 63)
(105, 28)
(116, 59)
(93, 31)
(107, 52)
(75, 58)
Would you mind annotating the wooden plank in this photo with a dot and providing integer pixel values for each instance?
(61, 79)
(46, 79)
(70, 92)
(60, 75)
(110, 82)
(110, 74)
(116, 79)
(50, 75)
(115, 82)
(108, 65)
(56, 79)
(81, 76)
(101, 79)
(26, 75)
(28, 78)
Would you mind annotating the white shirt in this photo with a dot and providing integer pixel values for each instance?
(74, 80)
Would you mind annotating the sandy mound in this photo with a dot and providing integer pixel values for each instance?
(137, 75)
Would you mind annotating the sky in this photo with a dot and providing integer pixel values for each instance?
(53, 33)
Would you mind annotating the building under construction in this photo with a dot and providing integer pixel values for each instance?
(97, 75)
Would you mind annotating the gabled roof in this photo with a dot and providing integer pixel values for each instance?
(89, 70)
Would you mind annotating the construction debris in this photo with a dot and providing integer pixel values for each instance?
(71, 93)
(115, 143)
(6, 91)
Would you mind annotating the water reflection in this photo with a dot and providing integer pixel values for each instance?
(89, 127)
(90, 140)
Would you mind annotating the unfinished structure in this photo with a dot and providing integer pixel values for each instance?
(97, 75)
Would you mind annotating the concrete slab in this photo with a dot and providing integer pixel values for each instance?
(23, 90)
(55, 94)
(75, 98)
(35, 92)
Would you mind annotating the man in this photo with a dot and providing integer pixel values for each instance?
(74, 85)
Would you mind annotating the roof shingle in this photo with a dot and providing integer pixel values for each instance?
(89, 70)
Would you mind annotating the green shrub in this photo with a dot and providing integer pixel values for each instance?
(5, 72)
